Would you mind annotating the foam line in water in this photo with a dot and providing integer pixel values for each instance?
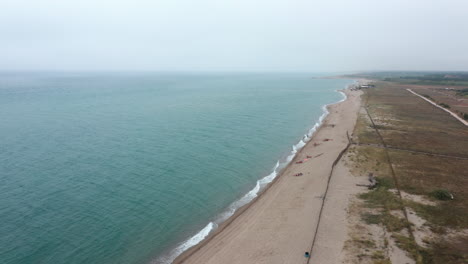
(197, 238)
(269, 178)
(299, 145)
(311, 131)
(248, 197)
(344, 97)
(292, 154)
(319, 122)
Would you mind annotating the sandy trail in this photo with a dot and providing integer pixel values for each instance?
(436, 105)
(333, 230)
(280, 225)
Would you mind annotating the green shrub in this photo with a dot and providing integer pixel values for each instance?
(441, 194)
(444, 105)
(427, 96)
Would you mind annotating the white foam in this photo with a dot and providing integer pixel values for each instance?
(291, 155)
(248, 197)
(294, 150)
(344, 97)
(197, 238)
(269, 178)
(325, 113)
(311, 131)
(319, 122)
(299, 144)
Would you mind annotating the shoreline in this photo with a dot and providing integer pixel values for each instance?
(326, 117)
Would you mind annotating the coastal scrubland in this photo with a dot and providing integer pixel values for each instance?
(455, 78)
(447, 89)
(418, 211)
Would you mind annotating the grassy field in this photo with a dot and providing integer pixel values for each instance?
(457, 79)
(426, 156)
(454, 100)
(406, 121)
(449, 89)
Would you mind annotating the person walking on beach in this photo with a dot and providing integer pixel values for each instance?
(307, 255)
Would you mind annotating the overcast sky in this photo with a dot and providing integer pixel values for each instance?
(234, 35)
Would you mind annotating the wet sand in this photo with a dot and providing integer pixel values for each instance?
(279, 226)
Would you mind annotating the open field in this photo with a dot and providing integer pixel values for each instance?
(456, 79)
(450, 98)
(406, 121)
(419, 155)
(448, 89)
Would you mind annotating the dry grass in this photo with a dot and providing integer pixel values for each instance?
(422, 175)
(438, 94)
(407, 122)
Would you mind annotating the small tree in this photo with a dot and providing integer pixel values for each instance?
(444, 105)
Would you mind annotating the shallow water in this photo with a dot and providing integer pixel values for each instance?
(124, 167)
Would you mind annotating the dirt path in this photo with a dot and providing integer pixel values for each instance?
(446, 110)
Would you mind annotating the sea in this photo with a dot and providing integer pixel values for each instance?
(136, 167)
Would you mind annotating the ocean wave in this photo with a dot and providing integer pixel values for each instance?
(311, 131)
(344, 97)
(290, 157)
(248, 197)
(269, 178)
(197, 238)
(299, 145)
(194, 240)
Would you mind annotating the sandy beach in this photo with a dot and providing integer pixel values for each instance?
(279, 226)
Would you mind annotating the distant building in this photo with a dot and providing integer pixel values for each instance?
(364, 86)
(450, 76)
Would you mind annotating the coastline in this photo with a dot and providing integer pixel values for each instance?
(237, 207)
(330, 115)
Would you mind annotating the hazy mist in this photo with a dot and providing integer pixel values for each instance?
(234, 35)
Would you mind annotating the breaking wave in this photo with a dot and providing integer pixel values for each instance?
(247, 198)
(195, 239)
(252, 194)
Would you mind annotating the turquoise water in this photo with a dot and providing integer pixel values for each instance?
(125, 167)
